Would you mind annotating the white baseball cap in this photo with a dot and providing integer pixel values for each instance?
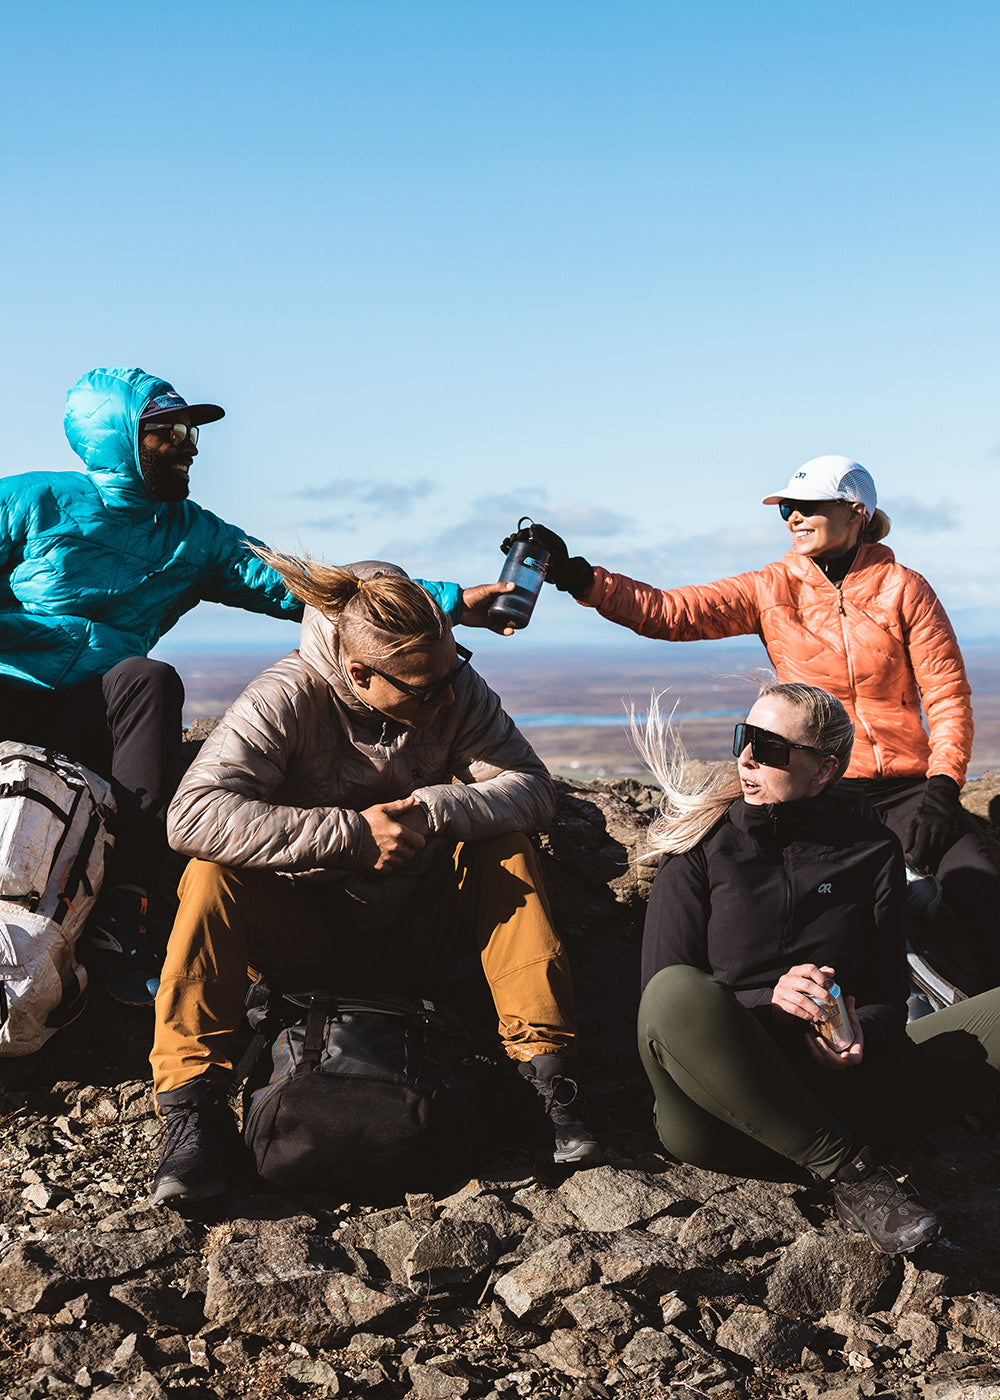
(829, 479)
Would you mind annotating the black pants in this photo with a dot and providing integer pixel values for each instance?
(967, 871)
(126, 726)
(737, 1092)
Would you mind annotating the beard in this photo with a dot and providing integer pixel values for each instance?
(160, 473)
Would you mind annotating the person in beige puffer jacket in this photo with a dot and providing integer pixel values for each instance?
(839, 612)
(359, 812)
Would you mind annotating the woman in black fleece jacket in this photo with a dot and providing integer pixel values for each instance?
(772, 888)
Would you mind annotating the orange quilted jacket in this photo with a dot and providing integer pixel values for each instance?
(880, 641)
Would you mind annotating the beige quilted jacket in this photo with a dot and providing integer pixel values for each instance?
(881, 642)
(280, 783)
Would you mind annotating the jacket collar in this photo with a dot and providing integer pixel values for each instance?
(877, 557)
(807, 820)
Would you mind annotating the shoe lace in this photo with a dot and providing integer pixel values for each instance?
(188, 1128)
(884, 1194)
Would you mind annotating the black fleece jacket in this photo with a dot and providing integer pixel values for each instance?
(774, 886)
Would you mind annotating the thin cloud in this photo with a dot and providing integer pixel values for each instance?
(677, 560)
(922, 518)
(386, 497)
(493, 517)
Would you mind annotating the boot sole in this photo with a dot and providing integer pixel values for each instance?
(174, 1192)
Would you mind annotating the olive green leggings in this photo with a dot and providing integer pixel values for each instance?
(732, 1097)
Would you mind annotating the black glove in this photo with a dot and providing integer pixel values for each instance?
(934, 826)
(570, 575)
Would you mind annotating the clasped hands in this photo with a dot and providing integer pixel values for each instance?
(796, 994)
(394, 833)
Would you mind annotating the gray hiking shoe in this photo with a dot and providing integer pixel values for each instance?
(868, 1198)
(562, 1136)
(198, 1134)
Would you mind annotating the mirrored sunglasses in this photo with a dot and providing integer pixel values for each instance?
(424, 694)
(767, 748)
(787, 508)
(178, 432)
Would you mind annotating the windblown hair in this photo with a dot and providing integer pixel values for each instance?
(690, 807)
(876, 528)
(374, 618)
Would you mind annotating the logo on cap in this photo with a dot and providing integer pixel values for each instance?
(162, 402)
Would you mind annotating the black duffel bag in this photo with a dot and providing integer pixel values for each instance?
(372, 1094)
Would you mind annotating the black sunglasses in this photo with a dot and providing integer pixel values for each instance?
(787, 508)
(424, 694)
(178, 432)
(767, 748)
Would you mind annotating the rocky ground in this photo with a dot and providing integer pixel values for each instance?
(638, 1278)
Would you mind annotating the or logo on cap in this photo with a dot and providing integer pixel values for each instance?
(798, 476)
(163, 401)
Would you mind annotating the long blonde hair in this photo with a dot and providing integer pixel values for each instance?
(374, 618)
(691, 805)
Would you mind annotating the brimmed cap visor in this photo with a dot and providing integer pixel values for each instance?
(171, 407)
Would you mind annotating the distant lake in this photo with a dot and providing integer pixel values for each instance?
(548, 718)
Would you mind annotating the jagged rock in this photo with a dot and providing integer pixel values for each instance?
(65, 1353)
(980, 1315)
(824, 1273)
(144, 1387)
(850, 1331)
(650, 1353)
(918, 1290)
(544, 1204)
(640, 1262)
(606, 1198)
(534, 1290)
(508, 1225)
(304, 1287)
(538, 1236)
(39, 1274)
(764, 1337)
(314, 1373)
(602, 1311)
(449, 1252)
(447, 1380)
(571, 1353)
(370, 1344)
(393, 1243)
(923, 1335)
(160, 1306)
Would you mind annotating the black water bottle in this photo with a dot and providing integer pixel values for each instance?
(525, 565)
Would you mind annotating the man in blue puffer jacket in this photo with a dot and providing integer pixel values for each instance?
(95, 567)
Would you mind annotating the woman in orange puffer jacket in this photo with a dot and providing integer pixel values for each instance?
(837, 611)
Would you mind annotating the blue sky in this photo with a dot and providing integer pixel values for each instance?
(621, 267)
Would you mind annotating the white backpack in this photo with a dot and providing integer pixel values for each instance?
(54, 844)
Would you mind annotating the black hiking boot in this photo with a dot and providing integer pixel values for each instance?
(198, 1133)
(562, 1137)
(870, 1199)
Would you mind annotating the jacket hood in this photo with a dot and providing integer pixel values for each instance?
(102, 426)
(318, 644)
(318, 647)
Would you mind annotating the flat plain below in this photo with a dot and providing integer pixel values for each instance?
(573, 702)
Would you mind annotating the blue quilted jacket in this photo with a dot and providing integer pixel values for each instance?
(93, 569)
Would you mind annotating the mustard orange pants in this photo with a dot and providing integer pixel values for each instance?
(228, 919)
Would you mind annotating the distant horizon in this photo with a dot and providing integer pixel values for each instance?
(165, 649)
